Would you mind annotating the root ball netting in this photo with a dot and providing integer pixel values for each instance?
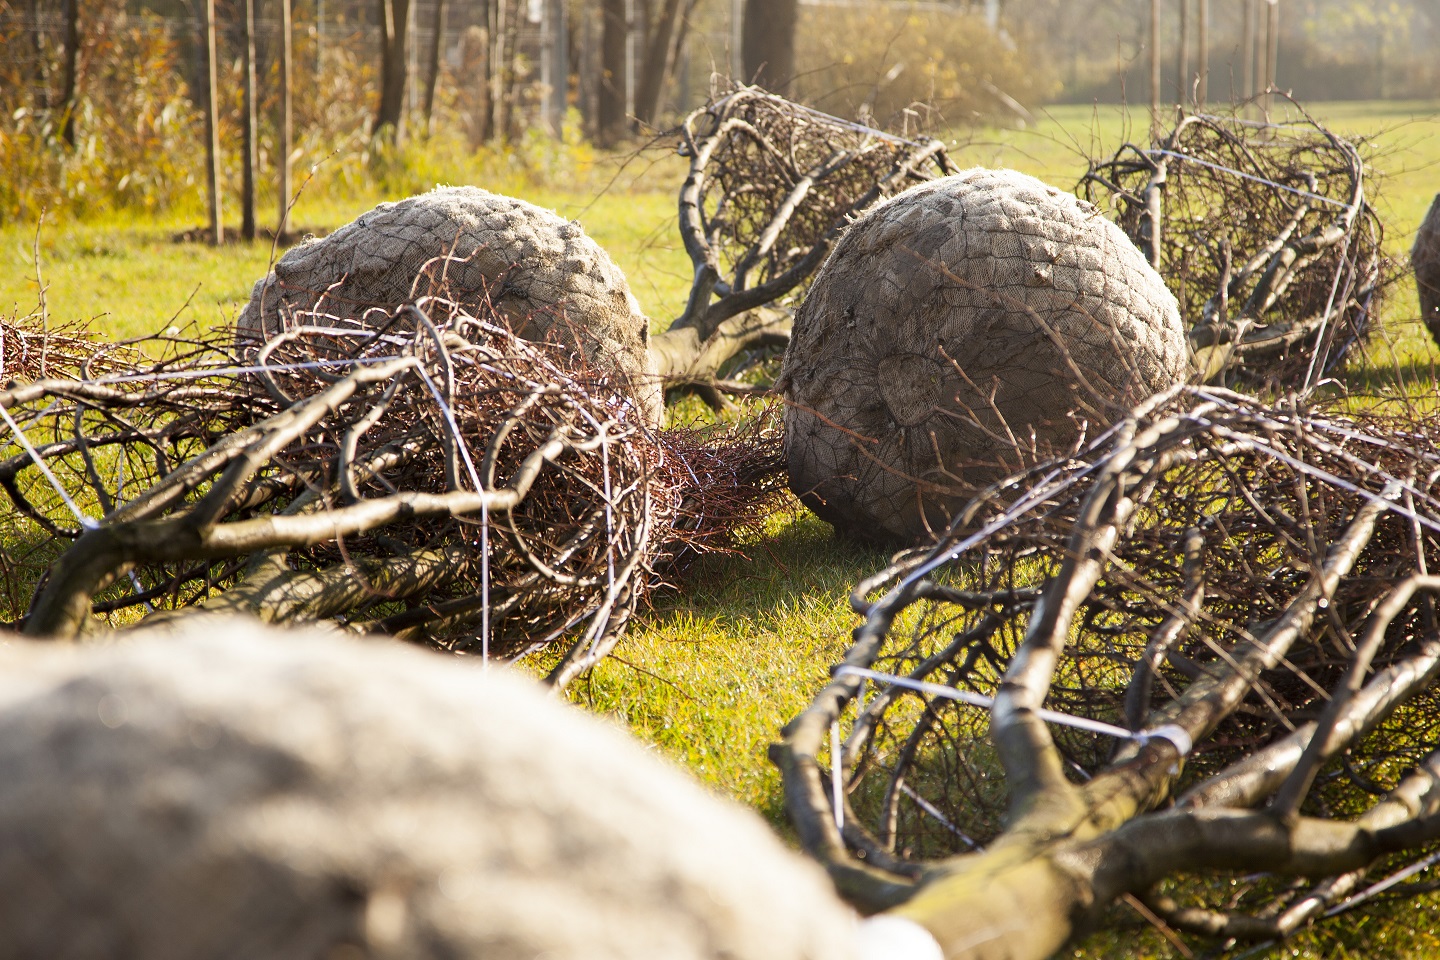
(1425, 260)
(961, 330)
(491, 253)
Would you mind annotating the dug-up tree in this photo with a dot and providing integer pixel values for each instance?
(1191, 670)
(441, 423)
(960, 331)
(1265, 233)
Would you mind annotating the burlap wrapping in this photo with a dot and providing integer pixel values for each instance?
(543, 273)
(1425, 258)
(241, 792)
(959, 331)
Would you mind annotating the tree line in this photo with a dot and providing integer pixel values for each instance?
(630, 65)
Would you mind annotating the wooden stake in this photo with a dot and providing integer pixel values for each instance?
(212, 130)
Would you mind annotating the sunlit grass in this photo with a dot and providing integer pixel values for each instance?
(134, 279)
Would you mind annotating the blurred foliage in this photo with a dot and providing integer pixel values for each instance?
(134, 127)
(140, 126)
(882, 61)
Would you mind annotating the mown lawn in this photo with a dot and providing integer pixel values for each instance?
(718, 664)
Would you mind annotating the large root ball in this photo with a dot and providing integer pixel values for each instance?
(541, 272)
(960, 331)
(239, 792)
(1425, 258)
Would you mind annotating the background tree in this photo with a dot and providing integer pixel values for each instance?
(213, 187)
(662, 38)
(394, 68)
(614, 75)
(69, 97)
(768, 43)
(432, 68)
(251, 135)
(502, 26)
(283, 121)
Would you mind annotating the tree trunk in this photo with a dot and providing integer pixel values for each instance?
(212, 128)
(390, 118)
(1154, 66)
(1182, 62)
(282, 162)
(1202, 17)
(475, 52)
(251, 134)
(42, 77)
(1247, 51)
(555, 67)
(501, 46)
(69, 95)
(432, 69)
(612, 95)
(1272, 50)
(657, 63)
(768, 43)
(319, 36)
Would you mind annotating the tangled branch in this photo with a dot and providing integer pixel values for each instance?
(1265, 234)
(1252, 580)
(430, 476)
(771, 186)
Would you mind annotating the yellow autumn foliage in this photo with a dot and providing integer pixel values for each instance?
(944, 66)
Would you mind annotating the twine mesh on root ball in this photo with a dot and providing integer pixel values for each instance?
(492, 255)
(959, 331)
(1255, 578)
(432, 476)
(1425, 261)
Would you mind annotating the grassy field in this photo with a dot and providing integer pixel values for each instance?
(718, 665)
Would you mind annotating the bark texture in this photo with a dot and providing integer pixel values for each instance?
(958, 332)
(489, 248)
(612, 87)
(234, 791)
(768, 43)
(395, 23)
(1425, 258)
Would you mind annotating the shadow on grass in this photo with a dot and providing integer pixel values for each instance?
(799, 557)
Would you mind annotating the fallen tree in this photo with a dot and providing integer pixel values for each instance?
(431, 477)
(771, 186)
(1195, 667)
(1265, 233)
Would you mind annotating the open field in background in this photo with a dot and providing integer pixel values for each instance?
(720, 664)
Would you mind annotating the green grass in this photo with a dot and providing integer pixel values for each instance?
(135, 278)
(710, 674)
(719, 665)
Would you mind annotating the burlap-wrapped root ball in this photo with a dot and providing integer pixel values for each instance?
(1425, 258)
(959, 331)
(239, 792)
(543, 273)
